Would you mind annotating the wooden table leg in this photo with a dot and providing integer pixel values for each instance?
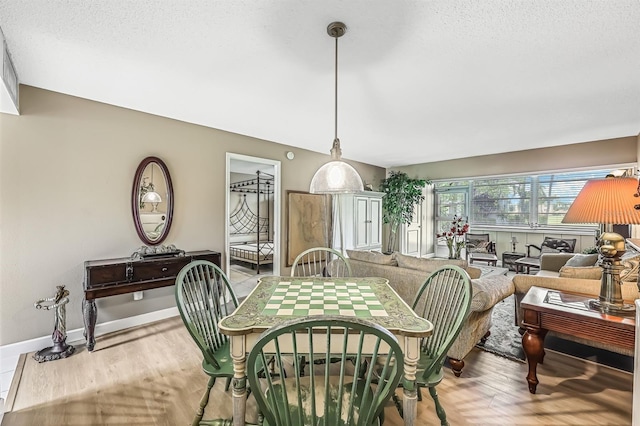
(533, 345)
(410, 394)
(90, 315)
(239, 388)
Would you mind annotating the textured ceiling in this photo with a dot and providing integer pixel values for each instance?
(419, 80)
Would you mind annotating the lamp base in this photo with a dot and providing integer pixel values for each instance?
(624, 309)
(611, 247)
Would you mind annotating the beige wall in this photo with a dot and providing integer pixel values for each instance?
(66, 173)
(598, 153)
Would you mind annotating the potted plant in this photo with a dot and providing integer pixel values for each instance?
(402, 194)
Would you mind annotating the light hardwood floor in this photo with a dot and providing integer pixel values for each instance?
(151, 375)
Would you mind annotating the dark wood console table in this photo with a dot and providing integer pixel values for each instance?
(110, 277)
(563, 312)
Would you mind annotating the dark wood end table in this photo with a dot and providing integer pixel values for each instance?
(509, 258)
(552, 310)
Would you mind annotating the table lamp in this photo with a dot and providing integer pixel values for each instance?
(610, 201)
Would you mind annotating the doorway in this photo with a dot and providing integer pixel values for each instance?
(252, 230)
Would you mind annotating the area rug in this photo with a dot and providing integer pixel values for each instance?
(505, 341)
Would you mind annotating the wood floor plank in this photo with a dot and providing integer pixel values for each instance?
(151, 375)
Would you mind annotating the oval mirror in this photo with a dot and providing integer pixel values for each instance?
(152, 201)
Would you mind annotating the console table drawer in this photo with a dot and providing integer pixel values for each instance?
(124, 271)
(130, 272)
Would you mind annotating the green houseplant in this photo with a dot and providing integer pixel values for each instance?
(402, 194)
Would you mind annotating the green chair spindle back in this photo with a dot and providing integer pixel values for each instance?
(204, 296)
(445, 300)
(331, 395)
(321, 262)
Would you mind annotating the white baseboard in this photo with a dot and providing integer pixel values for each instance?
(9, 354)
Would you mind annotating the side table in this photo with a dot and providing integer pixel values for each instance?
(509, 257)
(545, 310)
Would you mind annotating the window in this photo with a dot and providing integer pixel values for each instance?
(513, 201)
(451, 199)
(503, 201)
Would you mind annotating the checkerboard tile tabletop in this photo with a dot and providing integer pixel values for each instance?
(324, 298)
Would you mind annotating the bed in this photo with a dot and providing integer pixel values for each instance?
(250, 233)
(252, 252)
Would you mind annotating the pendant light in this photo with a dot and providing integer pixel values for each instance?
(336, 177)
(151, 196)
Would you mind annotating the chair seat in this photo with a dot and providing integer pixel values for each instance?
(425, 378)
(532, 261)
(223, 357)
(333, 417)
(490, 258)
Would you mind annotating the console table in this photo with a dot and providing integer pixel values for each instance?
(545, 310)
(110, 277)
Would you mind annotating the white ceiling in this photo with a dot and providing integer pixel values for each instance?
(419, 80)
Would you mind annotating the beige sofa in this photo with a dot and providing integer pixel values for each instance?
(406, 274)
(574, 280)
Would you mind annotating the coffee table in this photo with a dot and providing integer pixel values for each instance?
(546, 310)
(490, 271)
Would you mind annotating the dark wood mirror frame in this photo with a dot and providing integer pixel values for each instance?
(135, 201)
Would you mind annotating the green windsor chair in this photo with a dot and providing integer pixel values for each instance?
(445, 300)
(333, 395)
(321, 262)
(204, 296)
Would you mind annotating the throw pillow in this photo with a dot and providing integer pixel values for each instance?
(584, 272)
(582, 260)
(372, 257)
(479, 247)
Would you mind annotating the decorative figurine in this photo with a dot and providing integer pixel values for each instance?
(60, 349)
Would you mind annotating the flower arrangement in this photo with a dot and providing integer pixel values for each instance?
(455, 236)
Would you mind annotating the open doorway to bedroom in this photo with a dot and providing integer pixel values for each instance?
(252, 246)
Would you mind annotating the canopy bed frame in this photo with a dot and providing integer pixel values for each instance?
(251, 239)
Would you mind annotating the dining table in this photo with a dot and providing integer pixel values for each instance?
(277, 299)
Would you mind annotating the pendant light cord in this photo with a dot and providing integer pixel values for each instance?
(336, 92)
(336, 152)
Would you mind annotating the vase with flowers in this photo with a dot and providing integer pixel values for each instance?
(454, 236)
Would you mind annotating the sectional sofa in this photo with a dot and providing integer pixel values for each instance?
(406, 274)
